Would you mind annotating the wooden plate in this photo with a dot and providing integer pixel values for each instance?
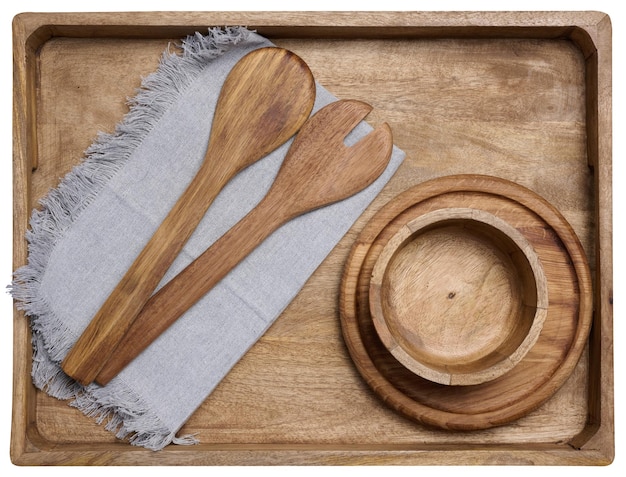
(546, 365)
(458, 295)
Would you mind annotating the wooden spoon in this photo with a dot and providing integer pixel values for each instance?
(319, 169)
(264, 101)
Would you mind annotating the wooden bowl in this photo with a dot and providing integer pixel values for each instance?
(542, 370)
(458, 296)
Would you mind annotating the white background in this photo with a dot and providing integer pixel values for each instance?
(11, 8)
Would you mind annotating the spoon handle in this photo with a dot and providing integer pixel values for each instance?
(186, 288)
(125, 302)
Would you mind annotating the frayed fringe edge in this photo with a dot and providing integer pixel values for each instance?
(120, 410)
(124, 413)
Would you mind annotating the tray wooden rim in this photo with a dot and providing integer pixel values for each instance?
(590, 31)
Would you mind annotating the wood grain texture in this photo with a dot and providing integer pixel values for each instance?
(547, 363)
(458, 296)
(523, 96)
(318, 170)
(265, 99)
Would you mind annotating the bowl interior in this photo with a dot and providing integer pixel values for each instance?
(460, 296)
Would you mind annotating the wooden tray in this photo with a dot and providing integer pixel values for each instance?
(522, 96)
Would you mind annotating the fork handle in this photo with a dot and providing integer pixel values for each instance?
(101, 336)
(191, 284)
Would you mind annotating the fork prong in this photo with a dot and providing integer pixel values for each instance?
(376, 147)
(352, 113)
(342, 116)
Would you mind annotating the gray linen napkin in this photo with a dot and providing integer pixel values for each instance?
(89, 229)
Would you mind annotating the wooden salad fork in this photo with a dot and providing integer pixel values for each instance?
(319, 169)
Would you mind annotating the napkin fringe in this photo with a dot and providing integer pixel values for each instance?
(127, 416)
(61, 208)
